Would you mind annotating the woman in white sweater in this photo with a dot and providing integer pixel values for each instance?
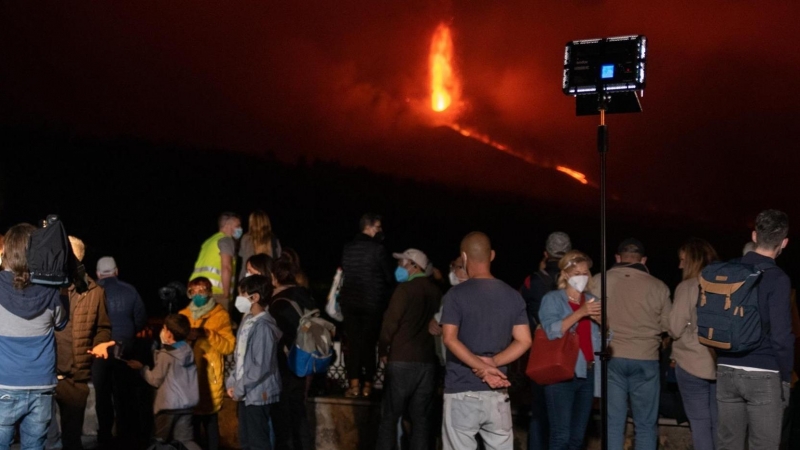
(696, 365)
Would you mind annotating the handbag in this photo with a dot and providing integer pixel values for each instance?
(552, 361)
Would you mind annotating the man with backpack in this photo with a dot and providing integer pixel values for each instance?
(533, 289)
(408, 350)
(753, 385)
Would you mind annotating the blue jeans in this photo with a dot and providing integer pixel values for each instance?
(751, 408)
(638, 381)
(700, 402)
(569, 406)
(32, 410)
(410, 387)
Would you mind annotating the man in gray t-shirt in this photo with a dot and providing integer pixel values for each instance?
(485, 327)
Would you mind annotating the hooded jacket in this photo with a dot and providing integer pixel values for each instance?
(260, 383)
(209, 355)
(175, 377)
(27, 342)
(89, 326)
(367, 274)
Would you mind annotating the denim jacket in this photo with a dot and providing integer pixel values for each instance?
(260, 383)
(555, 308)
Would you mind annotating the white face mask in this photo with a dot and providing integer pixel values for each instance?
(247, 274)
(243, 304)
(579, 282)
(453, 279)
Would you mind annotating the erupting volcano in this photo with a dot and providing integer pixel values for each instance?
(445, 92)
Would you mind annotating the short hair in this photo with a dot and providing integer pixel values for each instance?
(225, 217)
(368, 220)
(284, 270)
(178, 325)
(15, 257)
(772, 227)
(78, 247)
(571, 259)
(262, 262)
(697, 253)
(202, 282)
(258, 284)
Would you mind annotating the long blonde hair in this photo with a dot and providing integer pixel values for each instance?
(260, 229)
(571, 259)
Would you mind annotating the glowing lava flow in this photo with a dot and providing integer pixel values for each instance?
(444, 85)
(445, 91)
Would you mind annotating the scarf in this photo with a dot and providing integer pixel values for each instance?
(200, 311)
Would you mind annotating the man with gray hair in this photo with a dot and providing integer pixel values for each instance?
(113, 378)
(217, 258)
(408, 350)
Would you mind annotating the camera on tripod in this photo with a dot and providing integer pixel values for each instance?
(173, 296)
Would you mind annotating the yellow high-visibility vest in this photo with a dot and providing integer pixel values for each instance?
(209, 264)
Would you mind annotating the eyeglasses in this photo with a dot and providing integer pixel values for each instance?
(192, 292)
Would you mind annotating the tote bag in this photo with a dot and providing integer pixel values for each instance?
(552, 361)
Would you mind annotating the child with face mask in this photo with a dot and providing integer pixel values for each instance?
(211, 339)
(255, 382)
(174, 374)
(571, 309)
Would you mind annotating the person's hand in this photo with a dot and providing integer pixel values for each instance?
(101, 350)
(135, 365)
(434, 328)
(384, 360)
(496, 382)
(230, 393)
(488, 369)
(195, 334)
(590, 308)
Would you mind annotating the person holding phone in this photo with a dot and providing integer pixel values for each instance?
(571, 309)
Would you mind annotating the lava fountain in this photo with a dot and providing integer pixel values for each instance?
(444, 84)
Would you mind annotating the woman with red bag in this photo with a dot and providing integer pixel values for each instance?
(571, 309)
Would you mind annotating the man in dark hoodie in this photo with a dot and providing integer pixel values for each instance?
(29, 314)
(364, 294)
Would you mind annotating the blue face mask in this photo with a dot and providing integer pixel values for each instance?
(401, 274)
(199, 300)
(237, 233)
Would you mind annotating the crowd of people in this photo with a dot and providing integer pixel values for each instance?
(247, 295)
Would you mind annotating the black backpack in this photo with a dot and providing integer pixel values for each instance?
(727, 308)
(50, 258)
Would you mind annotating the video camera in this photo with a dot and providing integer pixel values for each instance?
(172, 296)
(51, 261)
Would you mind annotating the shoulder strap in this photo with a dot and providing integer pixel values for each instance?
(293, 303)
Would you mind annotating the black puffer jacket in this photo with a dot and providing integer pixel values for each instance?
(367, 274)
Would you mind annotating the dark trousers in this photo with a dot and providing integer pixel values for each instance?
(176, 427)
(115, 390)
(751, 408)
(71, 398)
(209, 423)
(289, 418)
(254, 427)
(410, 387)
(539, 428)
(362, 327)
(569, 406)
